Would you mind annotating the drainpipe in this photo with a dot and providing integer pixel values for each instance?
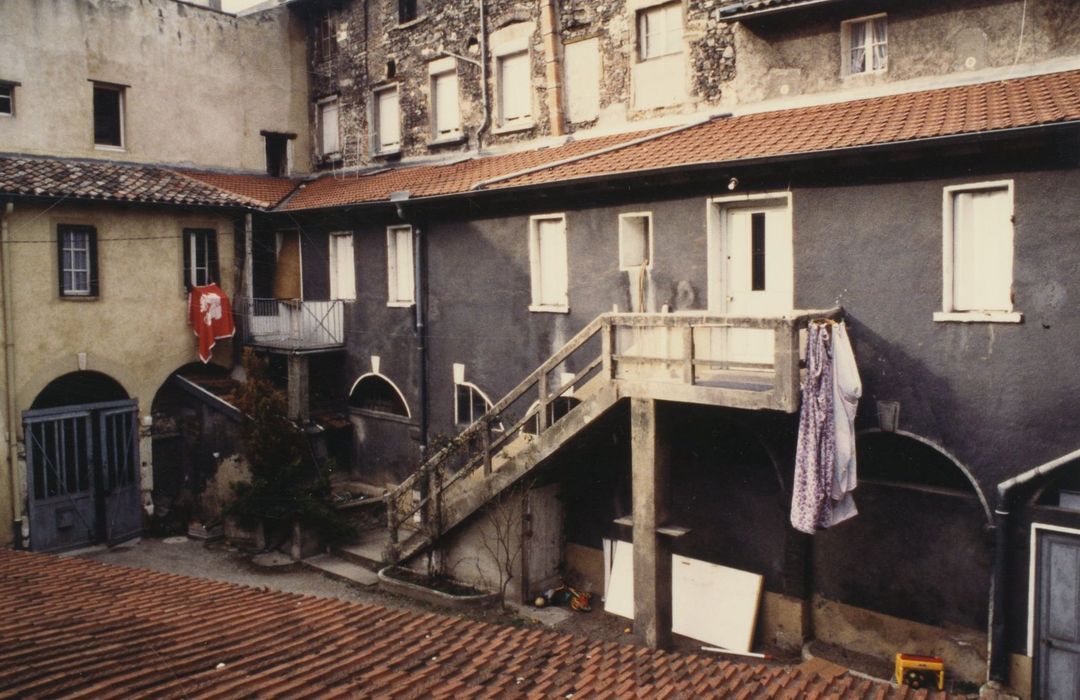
(9, 374)
(486, 123)
(998, 652)
(421, 335)
(551, 68)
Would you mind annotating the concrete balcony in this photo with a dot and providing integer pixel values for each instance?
(292, 325)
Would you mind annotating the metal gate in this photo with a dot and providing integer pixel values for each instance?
(82, 466)
(1057, 657)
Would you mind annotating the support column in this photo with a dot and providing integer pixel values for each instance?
(652, 553)
(298, 388)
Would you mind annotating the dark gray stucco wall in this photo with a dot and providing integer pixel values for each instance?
(999, 397)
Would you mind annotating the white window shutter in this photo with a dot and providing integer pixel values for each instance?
(551, 250)
(329, 127)
(982, 251)
(515, 87)
(389, 119)
(445, 102)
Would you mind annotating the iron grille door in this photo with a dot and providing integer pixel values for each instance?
(60, 478)
(120, 471)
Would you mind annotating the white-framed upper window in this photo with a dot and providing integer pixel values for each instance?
(977, 252)
(635, 240)
(329, 133)
(470, 403)
(386, 124)
(660, 30)
(445, 110)
(200, 257)
(399, 266)
(77, 246)
(108, 116)
(865, 45)
(342, 266)
(514, 89)
(548, 262)
(325, 36)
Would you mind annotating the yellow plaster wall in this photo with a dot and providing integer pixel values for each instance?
(136, 331)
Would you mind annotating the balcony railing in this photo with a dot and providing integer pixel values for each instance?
(291, 324)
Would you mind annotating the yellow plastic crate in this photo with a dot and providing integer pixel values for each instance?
(920, 671)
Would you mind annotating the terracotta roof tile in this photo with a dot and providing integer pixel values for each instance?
(78, 628)
(970, 109)
(121, 182)
(268, 191)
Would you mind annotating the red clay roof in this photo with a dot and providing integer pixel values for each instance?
(117, 182)
(970, 109)
(76, 628)
(441, 179)
(955, 111)
(267, 191)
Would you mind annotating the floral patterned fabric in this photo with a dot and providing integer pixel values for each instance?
(815, 452)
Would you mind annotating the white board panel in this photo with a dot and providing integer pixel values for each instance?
(714, 604)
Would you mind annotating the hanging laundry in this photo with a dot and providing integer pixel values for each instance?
(210, 316)
(847, 389)
(815, 452)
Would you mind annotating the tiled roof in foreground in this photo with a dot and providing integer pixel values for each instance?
(76, 628)
(119, 182)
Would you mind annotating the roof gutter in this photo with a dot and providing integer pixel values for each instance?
(733, 14)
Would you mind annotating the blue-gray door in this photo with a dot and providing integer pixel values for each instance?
(82, 466)
(1057, 657)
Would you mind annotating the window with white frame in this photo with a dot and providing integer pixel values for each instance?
(386, 126)
(77, 249)
(547, 256)
(108, 116)
(865, 43)
(635, 240)
(200, 257)
(325, 36)
(660, 31)
(470, 404)
(978, 249)
(329, 135)
(399, 266)
(342, 266)
(445, 111)
(514, 89)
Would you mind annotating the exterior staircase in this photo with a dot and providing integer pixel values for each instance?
(750, 363)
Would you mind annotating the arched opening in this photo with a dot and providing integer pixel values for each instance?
(191, 424)
(917, 552)
(79, 388)
(377, 394)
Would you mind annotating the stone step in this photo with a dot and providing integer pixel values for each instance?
(366, 550)
(342, 570)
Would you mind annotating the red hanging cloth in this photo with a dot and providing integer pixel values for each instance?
(210, 316)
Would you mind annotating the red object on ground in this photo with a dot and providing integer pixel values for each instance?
(210, 316)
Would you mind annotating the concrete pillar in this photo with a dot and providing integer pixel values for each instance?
(652, 553)
(298, 388)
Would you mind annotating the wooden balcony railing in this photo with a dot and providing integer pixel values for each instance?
(292, 324)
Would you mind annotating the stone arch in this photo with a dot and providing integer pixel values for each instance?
(81, 387)
(378, 393)
(27, 391)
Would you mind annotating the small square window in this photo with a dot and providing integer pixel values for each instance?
(77, 251)
(200, 257)
(635, 240)
(329, 140)
(660, 31)
(7, 99)
(408, 10)
(386, 122)
(865, 45)
(399, 266)
(108, 116)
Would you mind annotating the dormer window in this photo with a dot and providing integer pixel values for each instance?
(865, 45)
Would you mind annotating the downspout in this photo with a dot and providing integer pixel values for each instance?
(551, 68)
(421, 336)
(998, 651)
(486, 123)
(9, 374)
